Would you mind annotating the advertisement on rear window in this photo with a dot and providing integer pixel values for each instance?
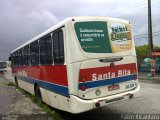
(93, 36)
(120, 36)
(103, 36)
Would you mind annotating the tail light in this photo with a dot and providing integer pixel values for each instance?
(83, 87)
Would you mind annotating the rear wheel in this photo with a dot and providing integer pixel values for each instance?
(38, 93)
(16, 81)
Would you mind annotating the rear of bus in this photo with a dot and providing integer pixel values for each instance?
(102, 66)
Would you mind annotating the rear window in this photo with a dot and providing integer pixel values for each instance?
(103, 37)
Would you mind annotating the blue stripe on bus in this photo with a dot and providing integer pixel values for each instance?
(48, 86)
(111, 81)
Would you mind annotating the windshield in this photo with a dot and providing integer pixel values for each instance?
(103, 37)
(3, 64)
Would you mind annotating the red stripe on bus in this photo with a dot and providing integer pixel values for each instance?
(86, 74)
(54, 74)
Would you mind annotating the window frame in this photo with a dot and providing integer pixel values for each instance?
(57, 50)
(34, 54)
(43, 45)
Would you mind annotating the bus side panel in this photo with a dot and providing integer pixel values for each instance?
(55, 100)
(26, 86)
(73, 76)
(53, 78)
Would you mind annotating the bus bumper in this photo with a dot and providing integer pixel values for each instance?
(79, 105)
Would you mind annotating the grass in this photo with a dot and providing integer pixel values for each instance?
(10, 84)
(41, 104)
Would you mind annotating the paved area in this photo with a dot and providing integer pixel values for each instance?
(16, 106)
(146, 102)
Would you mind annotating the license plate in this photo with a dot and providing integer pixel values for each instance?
(113, 87)
(115, 99)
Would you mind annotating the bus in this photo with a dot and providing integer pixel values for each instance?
(80, 64)
(3, 67)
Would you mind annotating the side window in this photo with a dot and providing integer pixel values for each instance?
(58, 47)
(61, 47)
(42, 51)
(49, 50)
(37, 53)
(34, 53)
(17, 58)
(25, 55)
(12, 59)
(21, 57)
(28, 58)
(55, 48)
(46, 50)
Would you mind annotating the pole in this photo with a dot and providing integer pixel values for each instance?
(150, 41)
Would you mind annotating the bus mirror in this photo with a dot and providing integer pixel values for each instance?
(9, 59)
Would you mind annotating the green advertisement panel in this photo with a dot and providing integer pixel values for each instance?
(93, 36)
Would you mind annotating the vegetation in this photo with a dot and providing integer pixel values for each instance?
(41, 104)
(10, 84)
(143, 50)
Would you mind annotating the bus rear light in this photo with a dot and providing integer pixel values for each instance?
(83, 88)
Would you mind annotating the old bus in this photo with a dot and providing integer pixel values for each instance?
(80, 64)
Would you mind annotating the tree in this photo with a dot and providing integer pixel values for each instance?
(143, 50)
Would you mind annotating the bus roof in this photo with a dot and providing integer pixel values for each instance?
(85, 18)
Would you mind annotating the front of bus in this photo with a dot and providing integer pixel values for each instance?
(3, 66)
(102, 63)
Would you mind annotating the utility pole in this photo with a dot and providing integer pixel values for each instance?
(150, 41)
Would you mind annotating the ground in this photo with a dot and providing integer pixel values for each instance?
(146, 102)
(13, 102)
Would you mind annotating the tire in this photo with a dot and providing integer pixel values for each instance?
(38, 93)
(16, 82)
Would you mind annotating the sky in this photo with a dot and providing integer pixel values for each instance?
(21, 20)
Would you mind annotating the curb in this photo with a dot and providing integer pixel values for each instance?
(149, 79)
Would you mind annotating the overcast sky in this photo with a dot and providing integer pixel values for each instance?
(20, 20)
